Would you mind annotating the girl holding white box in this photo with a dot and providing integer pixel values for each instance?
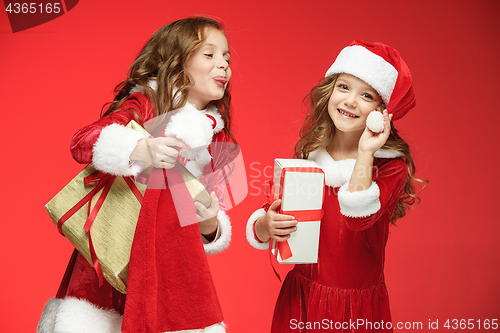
(369, 177)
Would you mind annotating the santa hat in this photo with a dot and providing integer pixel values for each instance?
(381, 67)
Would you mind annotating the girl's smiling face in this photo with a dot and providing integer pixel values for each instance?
(209, 69)
(351, 102)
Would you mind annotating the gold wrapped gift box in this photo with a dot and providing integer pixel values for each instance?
(113, 229)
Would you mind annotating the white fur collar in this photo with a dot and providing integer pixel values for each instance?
(197, 129)
(338, 173)
(194, 127)
(211, 110)
(151, 83)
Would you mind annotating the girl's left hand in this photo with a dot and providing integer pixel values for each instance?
(207, 217)
(370, 142)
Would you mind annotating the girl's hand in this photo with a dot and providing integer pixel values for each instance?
(207, 217)
(159, 152)
(274, 225)
(370, 142)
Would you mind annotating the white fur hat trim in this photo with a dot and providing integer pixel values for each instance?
(369, 67)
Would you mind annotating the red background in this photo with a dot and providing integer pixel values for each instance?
(443, 259)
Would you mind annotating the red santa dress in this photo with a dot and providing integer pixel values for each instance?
(170, 288)
(345, 291)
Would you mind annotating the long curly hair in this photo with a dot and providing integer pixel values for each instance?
(164, 59)
(318, 131)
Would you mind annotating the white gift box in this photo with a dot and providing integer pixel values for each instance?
(300, 185)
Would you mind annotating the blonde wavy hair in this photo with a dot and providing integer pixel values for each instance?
(318, 131)
(164, 59)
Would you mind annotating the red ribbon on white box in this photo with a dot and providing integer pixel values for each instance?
(300, 215)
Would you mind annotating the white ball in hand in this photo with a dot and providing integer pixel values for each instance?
(375, 121)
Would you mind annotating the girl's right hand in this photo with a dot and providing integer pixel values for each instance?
(159, 152)
(274, 225)
(370, 142)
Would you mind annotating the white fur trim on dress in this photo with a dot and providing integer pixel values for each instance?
(369, 67)
(216, 328)
(48, 319)
(250, 230)
(112, 150)
(337, 173)
(219, 126)
(154, 85)
(194, 128)
(191, 126)
(359, 203)
(138, 88)
(222, 242)
(78, 316)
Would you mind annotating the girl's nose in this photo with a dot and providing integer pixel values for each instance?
(350, 101)
(223, 63)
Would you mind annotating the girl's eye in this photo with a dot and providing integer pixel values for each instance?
(367, 96)
(343, 86)
(209, 55)
(228, 61)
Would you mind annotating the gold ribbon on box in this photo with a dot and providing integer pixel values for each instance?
(103, 232)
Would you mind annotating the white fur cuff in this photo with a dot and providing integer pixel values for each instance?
(222, 242)
(77, 316)
(113, 148)
(250, 231)
(359, 203)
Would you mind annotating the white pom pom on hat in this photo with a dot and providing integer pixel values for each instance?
(375, 121)
(381, 67)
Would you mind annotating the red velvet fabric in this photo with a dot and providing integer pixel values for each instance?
(170, 287)
(137, 107)
(347, 283)
(81, 281)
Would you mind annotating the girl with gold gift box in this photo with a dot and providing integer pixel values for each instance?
(183, 72)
